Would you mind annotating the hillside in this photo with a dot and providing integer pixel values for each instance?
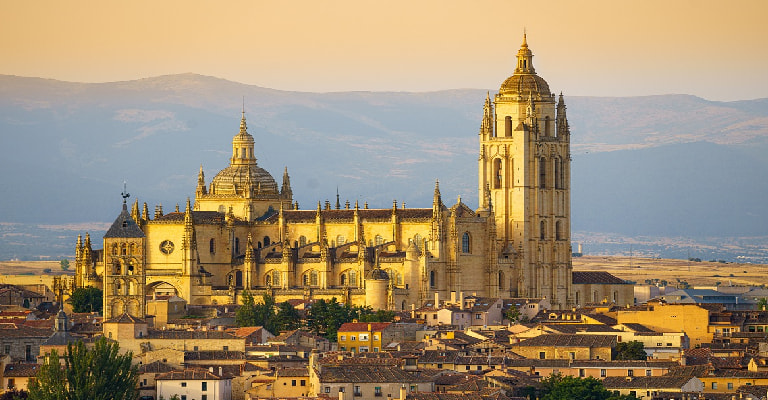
(664, 165)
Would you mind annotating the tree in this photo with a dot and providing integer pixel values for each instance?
(87, 299)
(272, 317)
(633, 350)
(325, 317)
(513, 314)
(100, 373)
(762, 304)
(64, 264)
(559, 387)
(366, 314)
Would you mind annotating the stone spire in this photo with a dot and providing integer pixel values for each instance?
(437, 201)
(338, 204)
(562, 121)
(135, 211)
(486, 126)
(145, 212)
(201, 190)
(285, 190)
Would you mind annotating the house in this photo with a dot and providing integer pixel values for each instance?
(252, 334)
(16, 375)
(646, 387)
(693, 319)
(362, 336)
(21, 342)
(367, 382)
(194, 384)
(280, 383)
(302, 338)
(566, 346)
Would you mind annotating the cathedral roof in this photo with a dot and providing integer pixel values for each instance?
(524, 82)
(124, 226)
(198, 217)
(384, 213)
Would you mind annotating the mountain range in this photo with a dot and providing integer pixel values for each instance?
(666, 165)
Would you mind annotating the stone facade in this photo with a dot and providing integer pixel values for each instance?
(244, 232)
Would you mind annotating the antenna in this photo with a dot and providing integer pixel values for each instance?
(125, 193)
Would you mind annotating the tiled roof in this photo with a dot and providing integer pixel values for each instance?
(11, 330)
(638, 328)
(154, 334)
(198, 217)
(214, 355)
(363, 326)
(574, 328)
(188, 374)
(299, 372)
(645, 382)
(585, 277)
(124, 226)
(348, 215)
(125, 318)
(21, 370)
(155, 367)
(565, 340)
(368, 373)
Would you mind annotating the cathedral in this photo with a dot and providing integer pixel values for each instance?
(244, 231)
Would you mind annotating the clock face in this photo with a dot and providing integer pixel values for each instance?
(166, 247)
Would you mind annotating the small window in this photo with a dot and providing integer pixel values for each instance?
(293, 382)
(204, 397)
(183, 397)
(730, 385)
(714, 385)
(542, 355)
(648, 372)
(630, 372)
(603, 373)
(304, 382)
(327, 389)
(465, 243)
(204, 386)
(183, 384)
(342, 337)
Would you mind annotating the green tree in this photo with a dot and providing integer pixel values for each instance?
(366, 314)
(513, 314)
(100, 373)
(762, 304)
(64, 264)
(87, 299)
(632, 350)
(325, 317)
(287, 317)
(559, 387)
(246, 314)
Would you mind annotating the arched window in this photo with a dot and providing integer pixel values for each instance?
(266, 241)
(501, 280)
(123, 249)
(559, 230)
(432, 279)
(114, 249)
(508, 126)
(343, 280)
(465, 243)
(497, 173)
(117, 268)
(558, 172)
(378, 240)
(302, 241)
(547, 124)
(212, 246)
(542, 230)
(353, 278)
(117, 288)
(268, 280)
(542, 173)
(340, 240)
(131, 248)
(313, 278)
(237, 246)
(577, 298)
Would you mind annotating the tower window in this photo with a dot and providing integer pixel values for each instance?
(432, 279)
(507, 126)
(542, 230)
(465, 244)
(212, 246)
(237, 246)
(559, 230)
(497, 173)
(266, 241)
(542, 173)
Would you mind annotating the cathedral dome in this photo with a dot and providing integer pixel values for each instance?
(524, 81)
(525, 84)
(243, 176)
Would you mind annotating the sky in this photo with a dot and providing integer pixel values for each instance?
(717, 50)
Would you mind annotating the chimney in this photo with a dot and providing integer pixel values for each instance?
(341, 394)
(220, 372)
(453, 297)
(461, 300)
(437, 299)
(402, 392)
(413, 310)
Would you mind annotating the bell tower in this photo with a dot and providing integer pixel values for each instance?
(524, 177)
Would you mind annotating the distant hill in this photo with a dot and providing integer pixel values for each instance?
(654, 165)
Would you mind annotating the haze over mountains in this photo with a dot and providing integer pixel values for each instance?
(667, 165)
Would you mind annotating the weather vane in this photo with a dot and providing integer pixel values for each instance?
(125, 193)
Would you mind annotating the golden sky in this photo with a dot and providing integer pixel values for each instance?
(714, 49)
